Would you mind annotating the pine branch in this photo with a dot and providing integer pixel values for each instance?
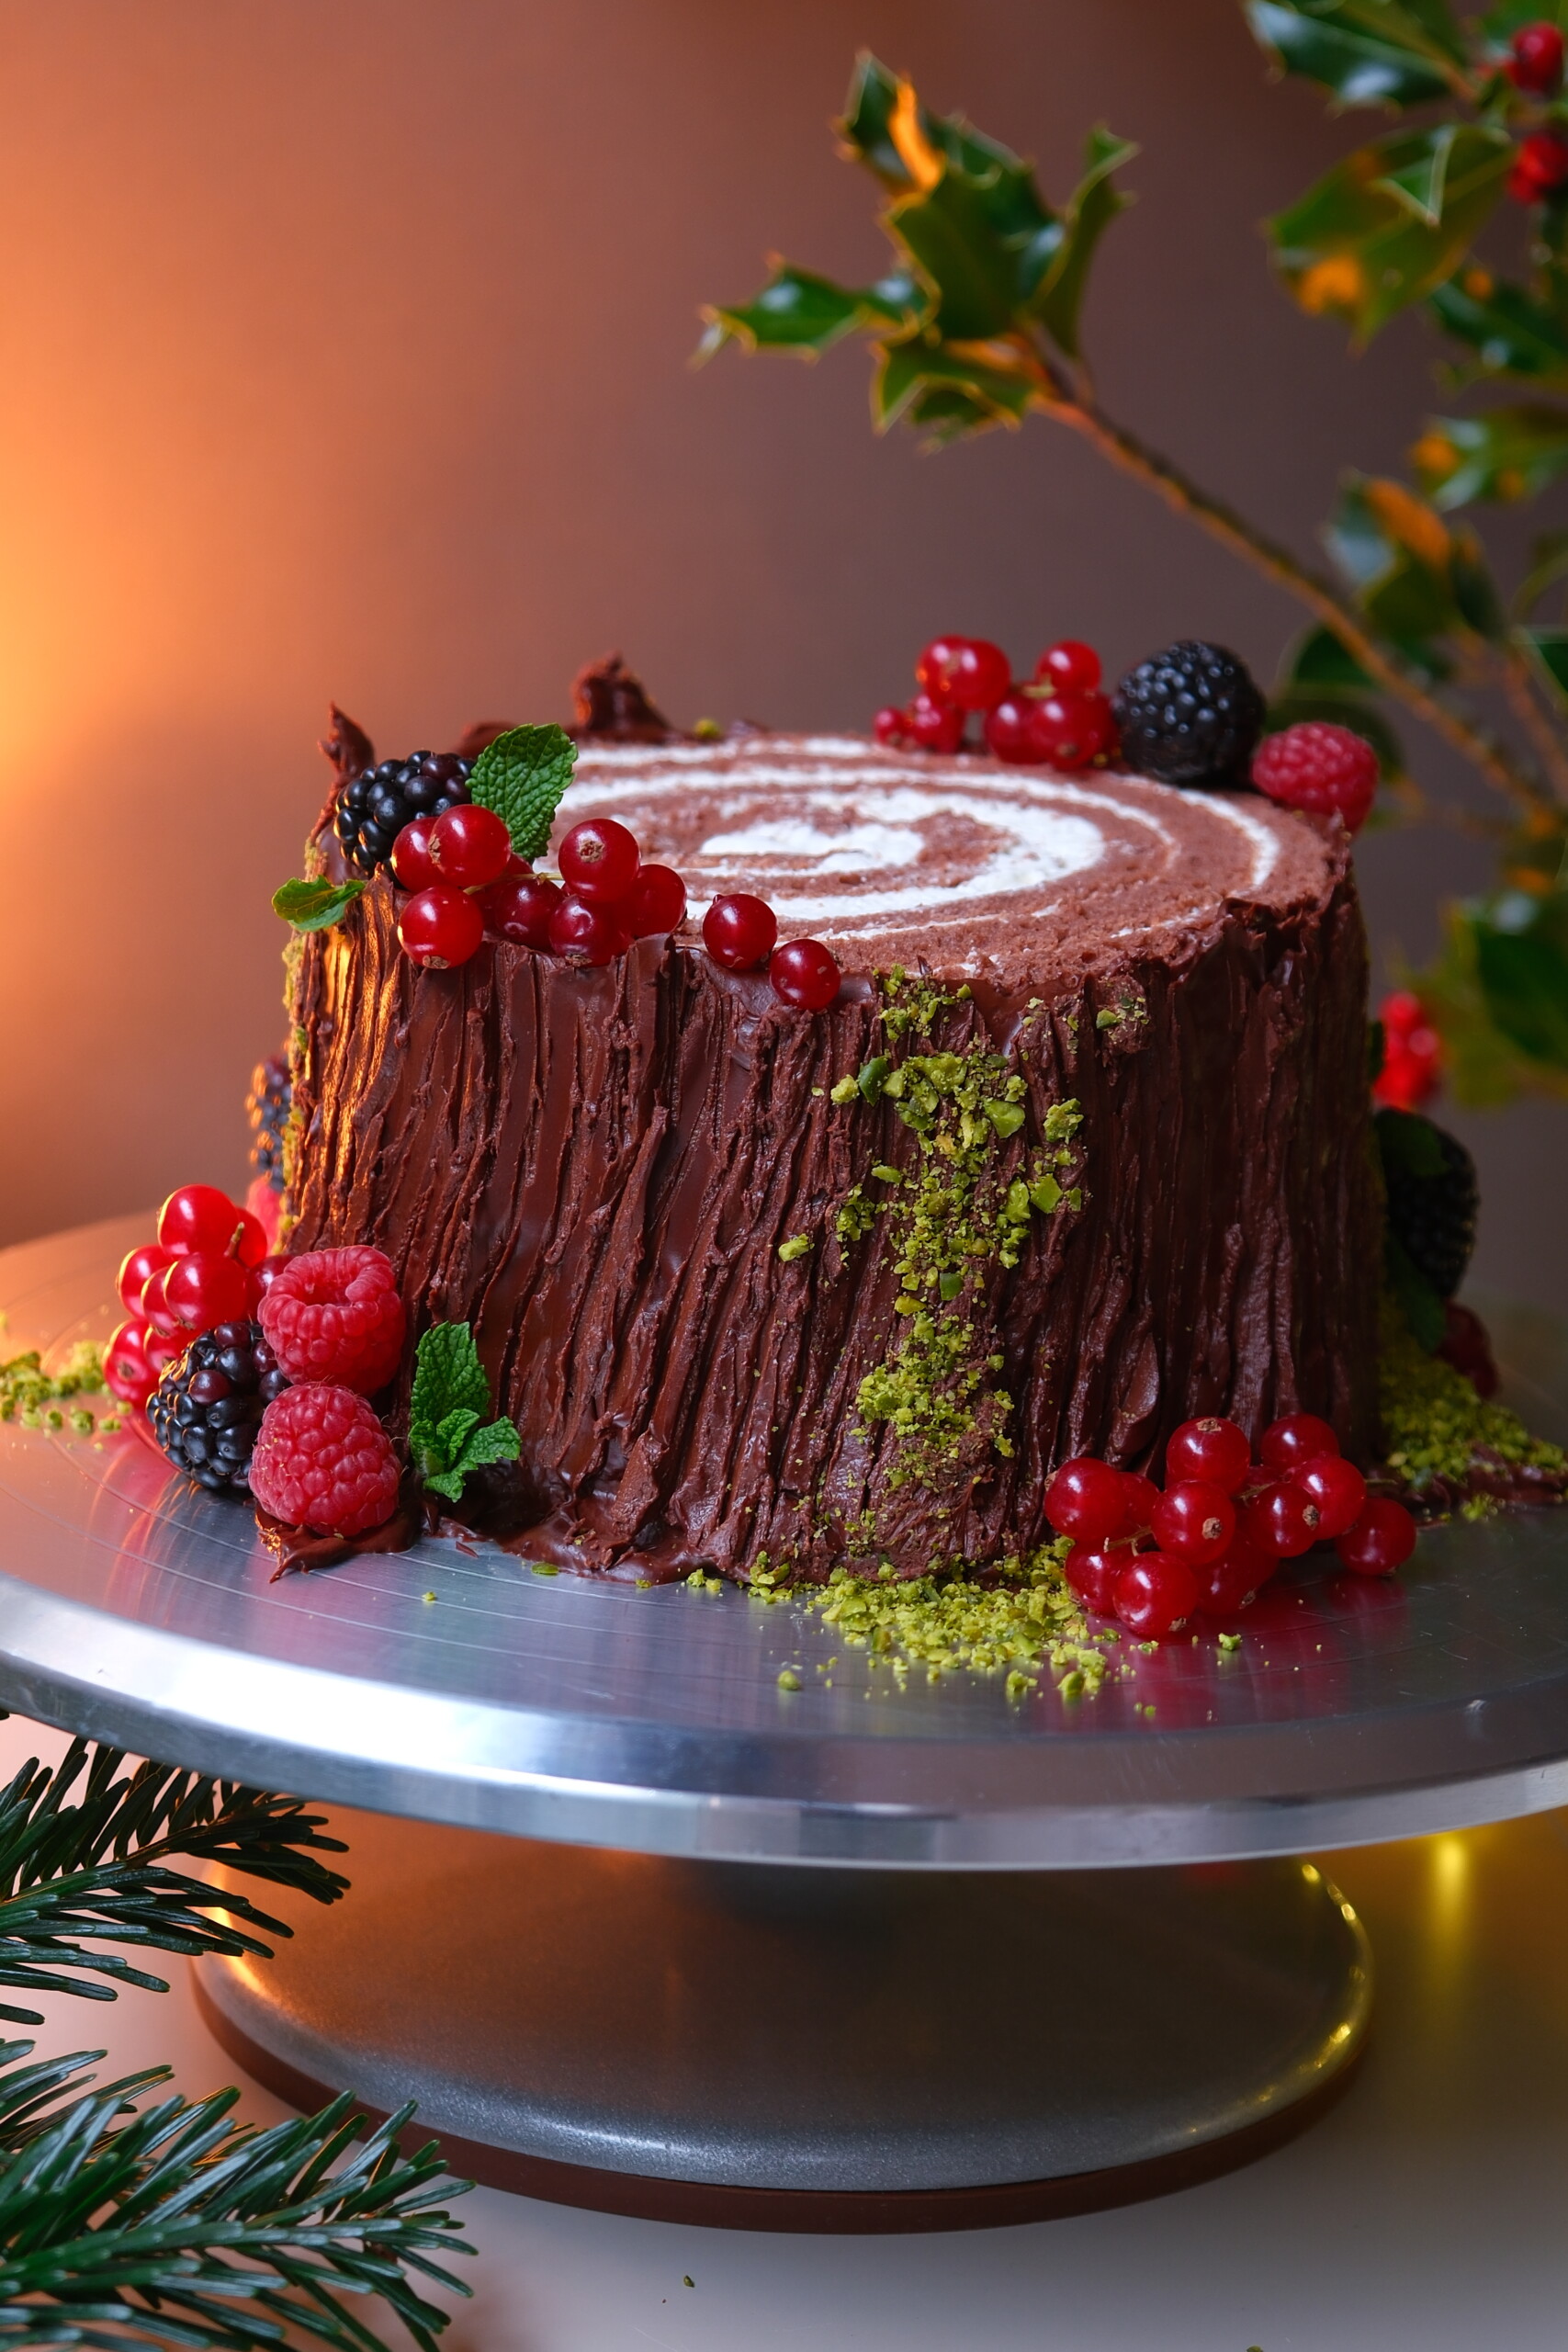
(171, 2224)
(95, 1870)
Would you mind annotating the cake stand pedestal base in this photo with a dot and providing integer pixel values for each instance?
(797, 2048)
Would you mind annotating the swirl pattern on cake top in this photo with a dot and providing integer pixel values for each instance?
(958, 863)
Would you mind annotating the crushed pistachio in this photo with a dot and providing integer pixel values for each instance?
(951, 1217)
(1233, 1642)
(1017, 1617)
(26, 1388)
(1109, 1016)
(798, 1246)
(789, 1679)
(1434, 1424)
(845, 1091)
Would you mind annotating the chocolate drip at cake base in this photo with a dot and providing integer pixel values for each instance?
(598, 1170)
(611, 706)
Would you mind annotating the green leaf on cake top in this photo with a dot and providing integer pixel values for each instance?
(521, 776)
(315, 906)
(449, 1433)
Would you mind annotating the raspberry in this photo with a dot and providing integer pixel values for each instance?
(322, 1460)
(1319, 766)
(335, 1315)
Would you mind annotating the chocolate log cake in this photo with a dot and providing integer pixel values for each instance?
(1082, 1149)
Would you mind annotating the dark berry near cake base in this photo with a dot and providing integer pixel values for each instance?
(1054, 1138)
(207, 1408)
(1189, 715)
(268, 1107)
(1434, 1198)
(372, 808)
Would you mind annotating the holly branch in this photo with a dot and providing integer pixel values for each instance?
(978, 324)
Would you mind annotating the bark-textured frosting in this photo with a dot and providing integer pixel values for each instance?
(598, 1169)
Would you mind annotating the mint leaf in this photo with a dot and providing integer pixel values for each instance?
(450, 1399)
(447, 1378)
(315, 906)
(521, 776)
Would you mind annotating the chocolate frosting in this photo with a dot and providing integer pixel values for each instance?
(597, 1167)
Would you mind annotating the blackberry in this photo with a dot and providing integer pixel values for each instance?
(267, 1105)
(1189, 715)
(1433, 1197)
(207, 1408)
(373, 809)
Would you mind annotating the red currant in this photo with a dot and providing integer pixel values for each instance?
(658, 903)
(1381, 1539)
(890, 728)
(1072, 667)
(205, 1289)
(969, 672)
(1195, 1520)
(1540, 167)
(153, 1303)
(804, 974)
(412, 866)
(1300, 1437)
(1009, 730)
(149, 1259)
(440, 927)
(198, 1216)
(1336, 1487)
(1282, 1518)
(270, 1268)
(469, 845)
(1155, 1595)
(935, 726)
(1211, 1449)
(1087, 1500)
(588, 935)
(1536, 62)
(599, 861)
(1411, 1054)
(1092, 1576)
(126, 1368)
(1140, 1495)
(738, 932)
(248, 1242)
(163, 1348)
(1072, 729)
(521, 910)
(1229, 1583)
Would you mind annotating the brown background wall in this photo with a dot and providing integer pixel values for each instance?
(343, 351)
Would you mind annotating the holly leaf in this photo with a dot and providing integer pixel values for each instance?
(1418, 1302)
(1520, 941)
(1368, 56)
(1500, 24)
(1391, 222)
(918, 378)
(1093, 205)
(1504, 455)
(521, 776)
(1510, 331)
(1548, 651)
(1398, 556)
(315, 906)
(1319, 659)
(798, 311)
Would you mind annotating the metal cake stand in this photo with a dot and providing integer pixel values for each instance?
(970, 2007)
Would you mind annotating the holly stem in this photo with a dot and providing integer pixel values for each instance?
(1514, 674)
(1276, 563)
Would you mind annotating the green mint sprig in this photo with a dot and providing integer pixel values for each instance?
(315, 906)
(448, 1434)
(521, 776)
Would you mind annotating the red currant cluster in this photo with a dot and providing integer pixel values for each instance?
(1411, 1054)
(209, 1265)
(465, 879)
(739, 933)
(1222, 1525)
(1059, 717)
